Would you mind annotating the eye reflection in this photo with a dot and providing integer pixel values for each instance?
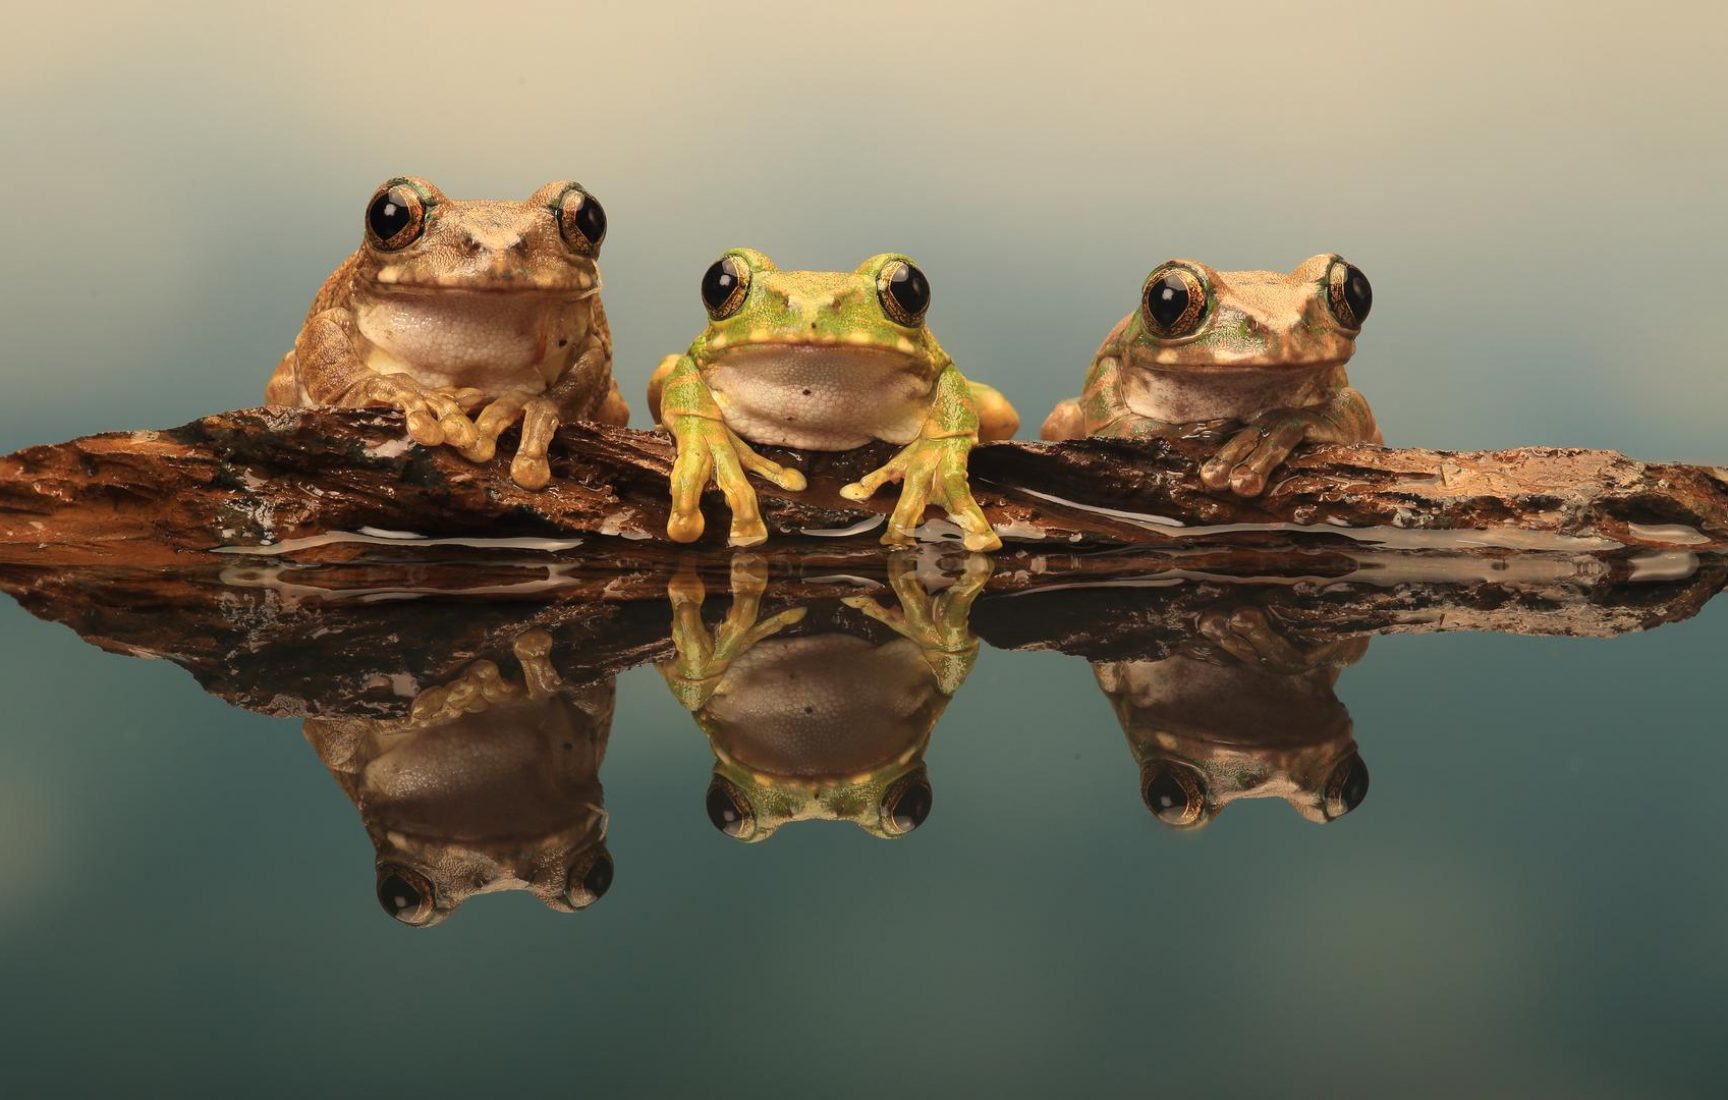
(405, 895)
(728, 810)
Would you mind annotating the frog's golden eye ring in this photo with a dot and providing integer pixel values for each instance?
(1348, 293)
(725, 285)
(581, 220)
(1346, 787)
(729, 811)
(1174, 301)
(588, 884)
(906, 803)
(1175, 793)
(904, 292)
(396, 216)
(406, 895)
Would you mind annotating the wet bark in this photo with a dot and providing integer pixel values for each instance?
(272, 478)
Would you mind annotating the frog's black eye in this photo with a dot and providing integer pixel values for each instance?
(589, 884)
(729, 811)
(907, 803)
(905, 293)
(1175, 793)
(724, 287)
(1348, 293)
(405, 894)
(581, 220)
(1346, 787)
(1173, 301)
(396, 217)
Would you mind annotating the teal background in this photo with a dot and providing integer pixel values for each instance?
(1531, 900)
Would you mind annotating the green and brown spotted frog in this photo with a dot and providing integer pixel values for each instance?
(468, 316)
(822, 361)
(1258, 347)
(488, 784)
(827, 721)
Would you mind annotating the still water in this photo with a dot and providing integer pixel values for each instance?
(736, 829)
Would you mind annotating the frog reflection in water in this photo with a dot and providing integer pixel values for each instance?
(1256, 347)
(487, 785)
(457, 308)
(1243, 713)
(822, 361)
(825, 723)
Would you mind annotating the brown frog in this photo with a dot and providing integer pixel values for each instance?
(489, 784)
(1259, 347)
(1242, 713)
(469, 316)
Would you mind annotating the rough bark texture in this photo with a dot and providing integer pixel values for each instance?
(207, 545)
(269, 477)
(360, 638)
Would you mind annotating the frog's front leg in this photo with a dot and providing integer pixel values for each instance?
(940, 626)
(330, 371)
(569, 398)
(703, 656)
(932, 468)
(1244, 464)
(709, 450)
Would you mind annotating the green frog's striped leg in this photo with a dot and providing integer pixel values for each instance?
(1244, 464)
(940, 626)
(932, 468)
(708, 449)
(703, 656)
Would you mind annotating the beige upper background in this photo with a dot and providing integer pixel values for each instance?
(1536, 190)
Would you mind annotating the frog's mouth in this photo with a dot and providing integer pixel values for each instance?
(789, 361)
(552, 286)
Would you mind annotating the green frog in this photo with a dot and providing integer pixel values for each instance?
(823, 723)
(469, 316)
(1242, 712)
(488, 784)
(822, 361)
(1258, 347)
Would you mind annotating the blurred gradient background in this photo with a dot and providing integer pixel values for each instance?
(1531, 900)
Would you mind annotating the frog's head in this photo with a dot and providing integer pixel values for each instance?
(1187, 789)
(421, 884)
(760, 315)
(749, 805)
(419, 241)
(1194, 318)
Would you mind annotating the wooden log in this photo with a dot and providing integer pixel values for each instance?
(308, 482)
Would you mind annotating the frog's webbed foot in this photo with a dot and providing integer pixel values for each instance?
(708, 449)
(435, 414)
(941, 625)
(703, 656)
(533, 649)
(931, 469)
(1248, 636)
(1244, 464)
(478, 688)
(540, 419)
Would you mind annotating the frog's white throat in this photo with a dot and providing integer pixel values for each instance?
(821, 397)
(1181, 395)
